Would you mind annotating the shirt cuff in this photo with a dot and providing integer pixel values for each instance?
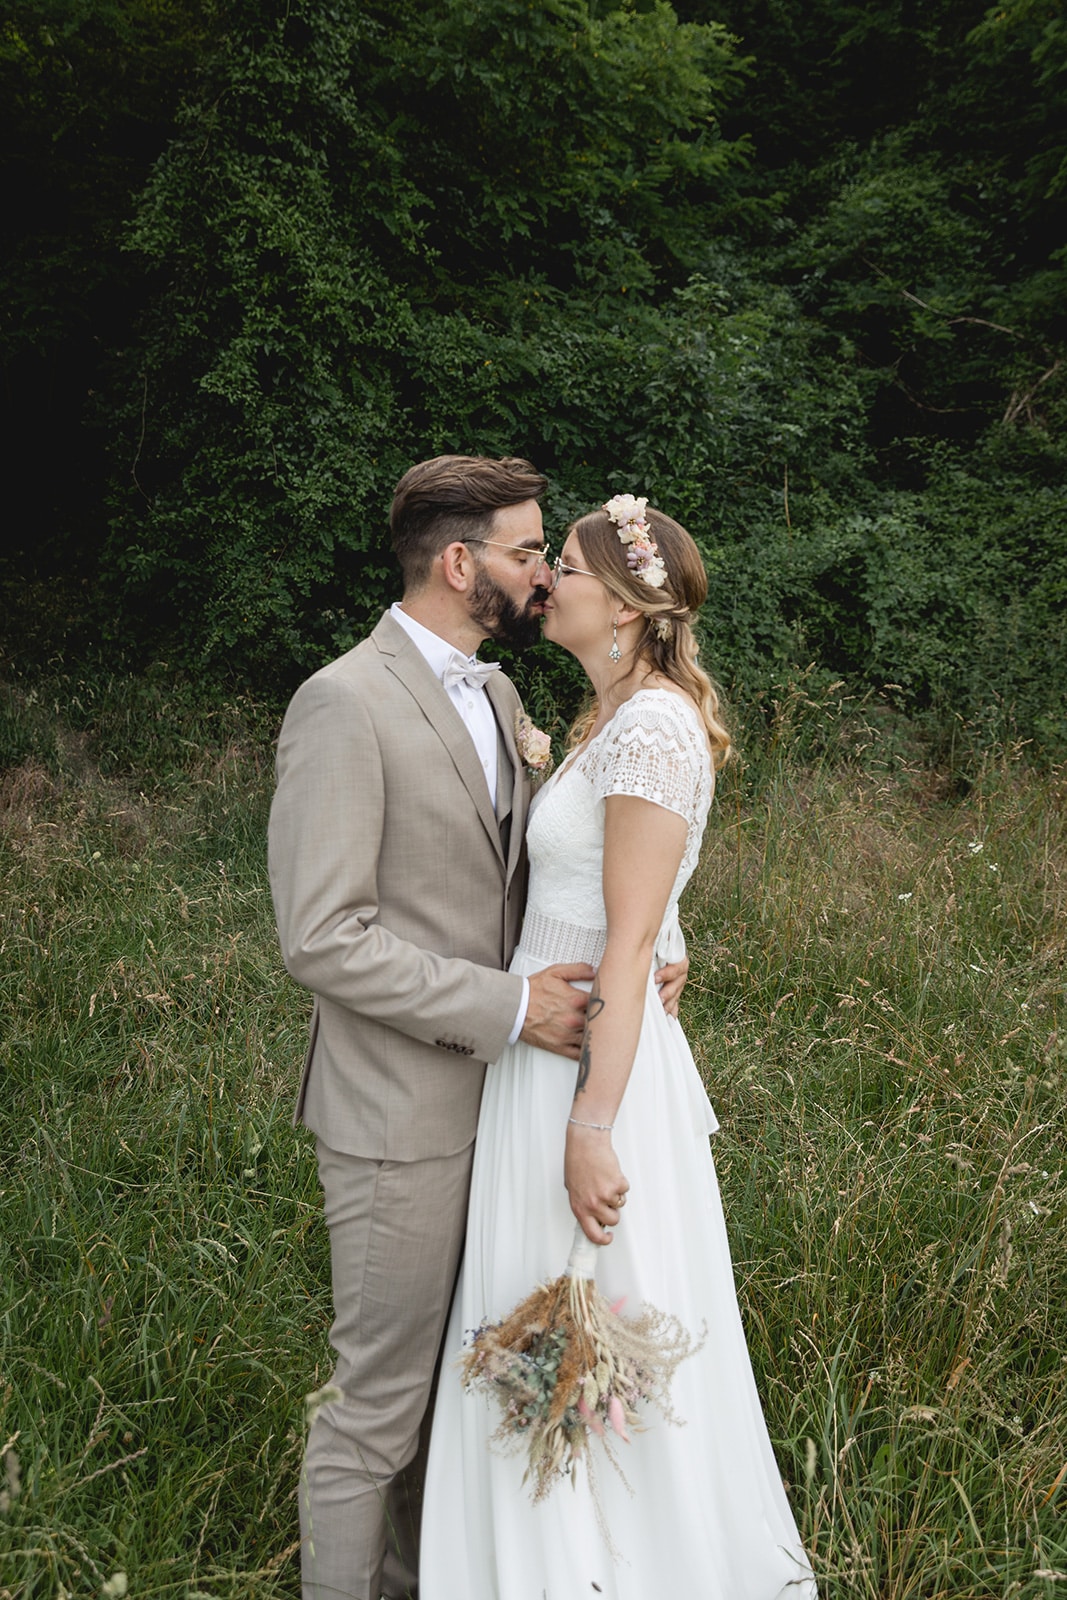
(524, 1006)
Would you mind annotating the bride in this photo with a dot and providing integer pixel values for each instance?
(622, 1145)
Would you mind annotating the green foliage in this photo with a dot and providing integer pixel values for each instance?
(351, 284)
(921, 211)
(810, 304)
(580, 144)
(88, 91)
(952, 601)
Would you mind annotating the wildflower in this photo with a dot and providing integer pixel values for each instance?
(976, 847)
(905, 896)
(116, 1586)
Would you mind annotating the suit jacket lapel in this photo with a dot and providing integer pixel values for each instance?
(507, 775)
(407, 662)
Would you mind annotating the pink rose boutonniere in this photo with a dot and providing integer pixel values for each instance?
(534, 747)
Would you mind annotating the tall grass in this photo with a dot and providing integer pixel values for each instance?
(876, 1003)
(163, 1265)
(878, 1011)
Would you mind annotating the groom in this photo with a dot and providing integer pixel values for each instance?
(397, 868)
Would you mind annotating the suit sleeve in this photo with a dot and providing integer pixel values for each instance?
(324, 842)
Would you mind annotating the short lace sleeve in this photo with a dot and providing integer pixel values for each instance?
(654, 748)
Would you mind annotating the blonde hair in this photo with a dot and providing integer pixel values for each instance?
(669, 610)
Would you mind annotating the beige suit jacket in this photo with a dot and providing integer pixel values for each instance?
(397, 903)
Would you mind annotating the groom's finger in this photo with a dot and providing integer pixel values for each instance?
(670, 981)
(573, 972)
(558, 995)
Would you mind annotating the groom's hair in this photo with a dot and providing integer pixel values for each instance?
(453, 498)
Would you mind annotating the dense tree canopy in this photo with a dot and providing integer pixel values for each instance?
(795, 271)
(920, 153)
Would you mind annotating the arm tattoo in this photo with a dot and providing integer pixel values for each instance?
(585, 1060)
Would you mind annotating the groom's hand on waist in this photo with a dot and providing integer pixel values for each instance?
(555, 1017)
(670, 981)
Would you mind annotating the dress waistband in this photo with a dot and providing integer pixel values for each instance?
(550, 940)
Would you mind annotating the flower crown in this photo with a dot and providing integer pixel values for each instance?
(642, 554)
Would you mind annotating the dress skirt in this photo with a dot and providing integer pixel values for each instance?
(702, 1514)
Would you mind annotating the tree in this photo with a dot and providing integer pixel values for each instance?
(382, 232)
(918, 155)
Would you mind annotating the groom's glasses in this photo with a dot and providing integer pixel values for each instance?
(525, 557)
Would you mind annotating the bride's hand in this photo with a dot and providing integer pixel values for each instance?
(595, 1181)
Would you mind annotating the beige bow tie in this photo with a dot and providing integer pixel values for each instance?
(463, 669)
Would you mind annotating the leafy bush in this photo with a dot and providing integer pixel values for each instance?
(381, 232)
(349, 285)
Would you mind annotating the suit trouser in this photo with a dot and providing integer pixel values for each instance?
(396, 1234)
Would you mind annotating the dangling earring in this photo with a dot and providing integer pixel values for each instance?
(614, 654)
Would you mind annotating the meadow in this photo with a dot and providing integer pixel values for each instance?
(876, 1001)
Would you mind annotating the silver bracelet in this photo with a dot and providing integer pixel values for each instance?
(601, 1127)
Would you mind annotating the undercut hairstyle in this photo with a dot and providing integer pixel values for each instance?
(453, 498)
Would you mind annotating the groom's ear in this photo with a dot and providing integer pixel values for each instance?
(457, 567)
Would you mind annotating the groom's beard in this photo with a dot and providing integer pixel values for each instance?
(493, 609)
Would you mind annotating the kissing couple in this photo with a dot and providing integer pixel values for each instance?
(495, 1052)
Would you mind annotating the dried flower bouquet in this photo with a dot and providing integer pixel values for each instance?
(564, 1365)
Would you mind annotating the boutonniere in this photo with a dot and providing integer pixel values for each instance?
(533, 746)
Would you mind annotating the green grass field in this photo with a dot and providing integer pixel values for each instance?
(877, 1004)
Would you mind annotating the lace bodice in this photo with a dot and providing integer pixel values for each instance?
(654, 748)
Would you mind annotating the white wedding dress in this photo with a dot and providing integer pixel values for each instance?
(702, 1514)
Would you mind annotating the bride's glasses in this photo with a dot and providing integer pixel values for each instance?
(559, 567)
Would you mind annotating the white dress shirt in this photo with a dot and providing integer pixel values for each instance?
(474, 707)
(472, 704)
